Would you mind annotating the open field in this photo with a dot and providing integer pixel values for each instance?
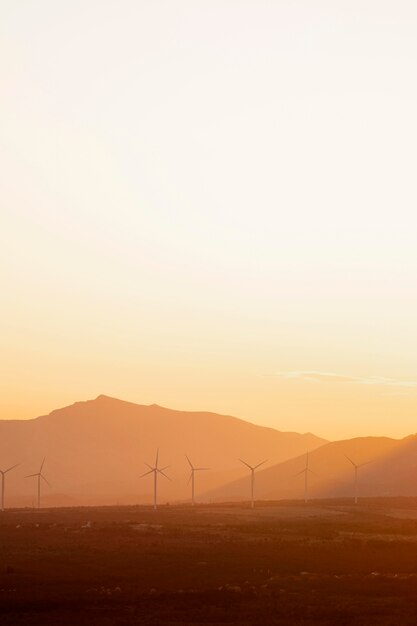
(284, 563)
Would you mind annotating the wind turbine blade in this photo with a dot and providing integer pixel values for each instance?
(163, 474)
(10, 468)
(299, 473)
(151, 471)
(189, 462)
(314, 473)
(40, 471)
(31, 475)
(150, 466)
(259, 464)
(354, 464)
(189, 478)
(157, 456)
(366, 463)
(163, 468)
(200, 469)
(43, 477)
(247, 464)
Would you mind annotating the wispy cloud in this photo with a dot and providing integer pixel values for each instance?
(319, 377)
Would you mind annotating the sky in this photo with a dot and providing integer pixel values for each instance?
(211, 205)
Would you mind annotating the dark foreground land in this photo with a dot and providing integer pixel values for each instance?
(326, 563)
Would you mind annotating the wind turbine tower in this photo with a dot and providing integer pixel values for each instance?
(356, 467)
(193, 471)
(3, 480)
(306, 471)
(252, 481)
(39, 476)
(155, 470)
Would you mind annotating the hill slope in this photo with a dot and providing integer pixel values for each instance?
(96, 451)
(390, 470)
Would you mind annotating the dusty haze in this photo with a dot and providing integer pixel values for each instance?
(96, 451)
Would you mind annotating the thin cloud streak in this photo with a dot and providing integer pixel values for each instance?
(319, 377)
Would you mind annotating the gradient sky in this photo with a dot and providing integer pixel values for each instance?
(211, 205)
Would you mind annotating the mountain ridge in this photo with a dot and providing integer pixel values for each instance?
(389, 467)
(96, 448)
(106, 398)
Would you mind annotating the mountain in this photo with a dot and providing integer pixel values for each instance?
(390, 469)
(95, 451)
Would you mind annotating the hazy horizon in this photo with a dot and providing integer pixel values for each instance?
(196, 410)
(211, 206)
(208, 212)
(98, 452)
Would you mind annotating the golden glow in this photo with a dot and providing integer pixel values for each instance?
(199, 199)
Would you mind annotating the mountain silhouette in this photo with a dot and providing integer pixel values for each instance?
(389, 468)
(95, 451)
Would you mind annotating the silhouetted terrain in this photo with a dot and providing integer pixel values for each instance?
(389, 469)
(327, 563)
(96, 451)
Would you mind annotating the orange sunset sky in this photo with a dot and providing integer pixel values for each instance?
(211, 205)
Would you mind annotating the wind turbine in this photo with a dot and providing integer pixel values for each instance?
(252, 485)
(356, 466)
(193, 470)
(155, 471)
(39, 475)
(3, 474)
(306, 472)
